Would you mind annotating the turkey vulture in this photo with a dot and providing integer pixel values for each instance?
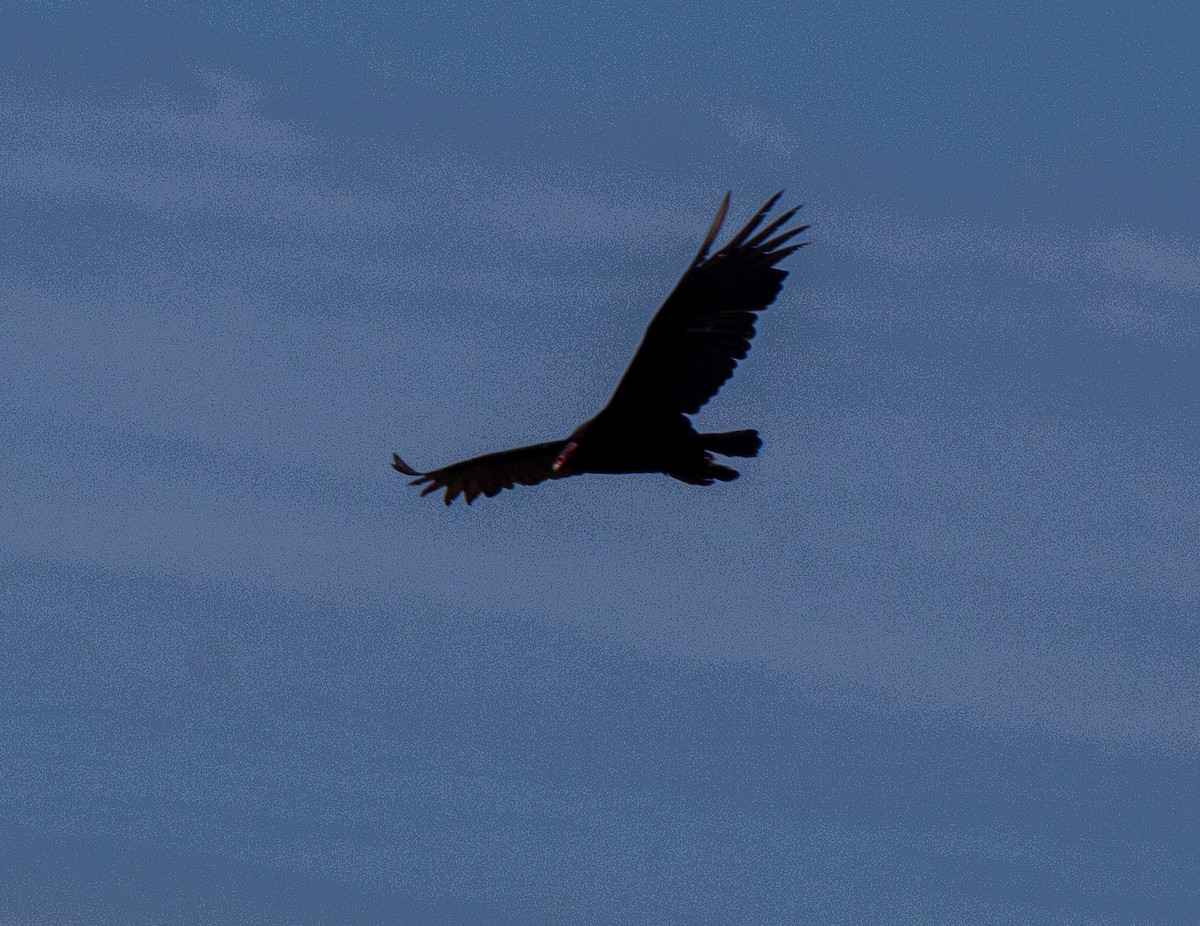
(689, 350)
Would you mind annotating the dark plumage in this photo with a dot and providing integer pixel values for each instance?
(690, 349)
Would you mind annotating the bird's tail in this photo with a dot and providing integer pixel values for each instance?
(733, 443)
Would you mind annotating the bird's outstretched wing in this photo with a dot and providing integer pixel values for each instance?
(704, 326)
(490, 473)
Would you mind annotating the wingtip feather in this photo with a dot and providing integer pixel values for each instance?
(714, 228)
(755, 220)
(401, 467)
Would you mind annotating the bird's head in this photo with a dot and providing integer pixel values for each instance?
(570, 448)
(561, 460)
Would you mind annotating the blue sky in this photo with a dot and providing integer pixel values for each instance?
(931, 660)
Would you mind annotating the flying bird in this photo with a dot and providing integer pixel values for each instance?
(688, 352)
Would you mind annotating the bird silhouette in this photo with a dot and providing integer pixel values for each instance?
(688, 352)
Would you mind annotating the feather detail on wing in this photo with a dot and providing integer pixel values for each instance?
(488, 474)
(704, 327)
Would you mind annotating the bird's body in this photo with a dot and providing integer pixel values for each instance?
(689, 350)
(651, 444)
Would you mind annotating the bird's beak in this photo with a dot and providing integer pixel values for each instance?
(562, 458)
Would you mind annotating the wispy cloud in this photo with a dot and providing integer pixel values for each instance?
(220, 151)
(759, 129)
(1126, 281)
(1152, 261)
(929, 244)
(173, 156)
